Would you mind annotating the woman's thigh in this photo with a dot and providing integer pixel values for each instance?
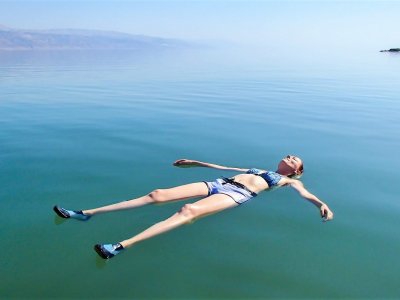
(191, 190)
(213, 204)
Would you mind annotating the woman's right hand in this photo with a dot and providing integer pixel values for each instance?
(183, 163)
(326, 213)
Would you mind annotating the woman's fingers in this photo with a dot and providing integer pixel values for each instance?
(326, 213)
(323, 211)
(178, 162)
(328, 216)
(183, 163)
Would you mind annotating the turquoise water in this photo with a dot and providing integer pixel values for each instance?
(87, 129)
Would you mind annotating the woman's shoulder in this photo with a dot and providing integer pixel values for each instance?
(287, 181)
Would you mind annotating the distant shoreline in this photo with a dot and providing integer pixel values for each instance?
(77, 39)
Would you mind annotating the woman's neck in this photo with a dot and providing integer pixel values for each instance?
(284, 172)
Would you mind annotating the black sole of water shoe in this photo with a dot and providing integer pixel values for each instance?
(101, 253)
(60, 213)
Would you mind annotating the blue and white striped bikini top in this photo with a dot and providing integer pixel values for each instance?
(272, 178)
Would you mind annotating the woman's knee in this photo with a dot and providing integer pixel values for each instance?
(189, 212)
(158, 195)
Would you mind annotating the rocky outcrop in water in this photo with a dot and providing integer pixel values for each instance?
(391, 50)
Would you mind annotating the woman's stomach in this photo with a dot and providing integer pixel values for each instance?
(253, 182)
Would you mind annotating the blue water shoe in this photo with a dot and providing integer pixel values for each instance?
(107, 251)
(74, 214)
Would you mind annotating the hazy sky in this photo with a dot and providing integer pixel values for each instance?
(317, 23)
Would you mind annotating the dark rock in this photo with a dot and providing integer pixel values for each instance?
(391, 50)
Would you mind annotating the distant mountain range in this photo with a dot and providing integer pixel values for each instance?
(60, 39)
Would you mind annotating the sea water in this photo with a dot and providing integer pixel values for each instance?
(85, 129)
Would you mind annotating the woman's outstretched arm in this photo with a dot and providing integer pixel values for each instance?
(195, 163)
(326, 213)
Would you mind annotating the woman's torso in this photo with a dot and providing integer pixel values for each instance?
(256, 183)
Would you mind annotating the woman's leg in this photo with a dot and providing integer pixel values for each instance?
(187, 214)
(198, 189)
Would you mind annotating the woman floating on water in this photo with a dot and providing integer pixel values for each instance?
(219, 195)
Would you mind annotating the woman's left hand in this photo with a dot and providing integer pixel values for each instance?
(184, 163)
(326, 213)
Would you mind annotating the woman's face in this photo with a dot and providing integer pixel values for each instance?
(291, 163)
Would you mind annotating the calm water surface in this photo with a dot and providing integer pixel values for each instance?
(87, 129)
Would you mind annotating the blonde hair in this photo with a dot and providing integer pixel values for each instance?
(295, 176)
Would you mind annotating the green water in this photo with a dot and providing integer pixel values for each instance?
(86, 129)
